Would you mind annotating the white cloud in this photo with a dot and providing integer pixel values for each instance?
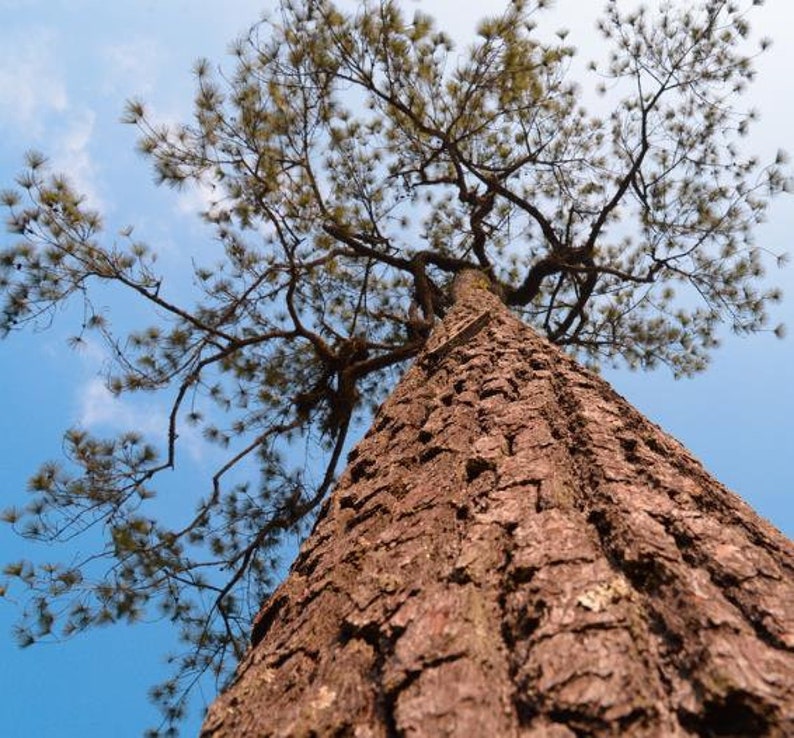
(130, 67)
(100, 411)
(98, 407)
(197, 198)
(37, 109)
(31, 81)
(71, 154)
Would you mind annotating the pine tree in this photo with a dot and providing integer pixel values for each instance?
(356, 166)
(515, 550)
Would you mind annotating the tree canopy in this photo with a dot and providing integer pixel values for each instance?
(356, 162)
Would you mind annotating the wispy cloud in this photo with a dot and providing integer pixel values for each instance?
(131, 66)
(71, 154)
(37, 110)
(99, 410)
(197, 198)
(31, 83)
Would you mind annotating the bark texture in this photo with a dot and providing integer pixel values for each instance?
(513, 550)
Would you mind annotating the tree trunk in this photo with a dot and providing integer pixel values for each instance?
(513, 550)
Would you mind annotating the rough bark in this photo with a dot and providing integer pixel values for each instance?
(513, 550)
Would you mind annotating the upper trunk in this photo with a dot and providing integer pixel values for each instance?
(514, 550)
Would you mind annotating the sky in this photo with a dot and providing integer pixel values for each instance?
(66, 68)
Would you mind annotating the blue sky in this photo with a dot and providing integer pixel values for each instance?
(66, 68)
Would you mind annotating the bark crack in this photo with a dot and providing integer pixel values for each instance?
(730, 710)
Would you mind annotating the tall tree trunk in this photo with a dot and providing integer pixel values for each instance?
(514, 550)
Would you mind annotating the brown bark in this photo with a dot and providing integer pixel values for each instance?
(514, 550)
